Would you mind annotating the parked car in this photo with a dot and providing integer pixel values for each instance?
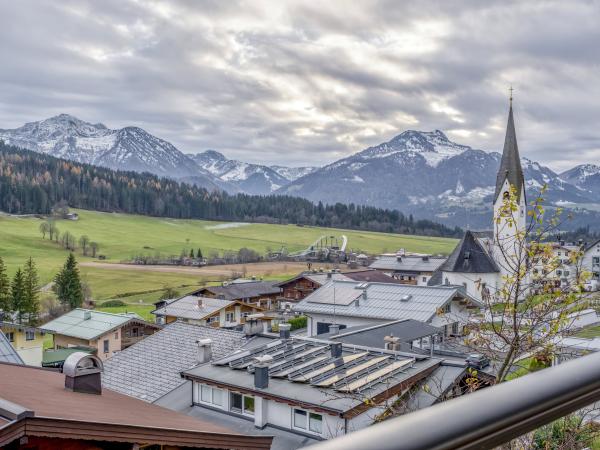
(477, 361)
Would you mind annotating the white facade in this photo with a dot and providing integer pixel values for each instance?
(263, 411)
(474, 283)
(590, 262)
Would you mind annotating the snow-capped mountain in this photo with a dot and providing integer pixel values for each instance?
(426, 174)
(129, 148)
(249, 178)
(585, 177)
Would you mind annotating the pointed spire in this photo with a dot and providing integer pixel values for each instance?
(510, 166)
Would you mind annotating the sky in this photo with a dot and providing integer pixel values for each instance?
(306, 83)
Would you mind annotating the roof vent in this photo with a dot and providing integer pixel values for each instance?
(392, 343)
(334, 328)
(200, 303)
(284, 330)
(426, 258)
(336, 348)
(83, 373)
(399, 258)
(405, 298)
(261, 371)
(87, 315)
(467, 255)
(204, 350)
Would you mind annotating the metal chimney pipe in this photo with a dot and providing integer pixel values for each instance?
(284, 330)
(261, 371)
(336, 349)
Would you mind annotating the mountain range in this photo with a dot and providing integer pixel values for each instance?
(422, 173)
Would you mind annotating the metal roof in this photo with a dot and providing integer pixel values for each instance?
(192, 307)
(150, 368)
(8, 352)
(510, 165)
(383, 300)
(372, 335)
(303, 371)
(75, 324)
(407, 263)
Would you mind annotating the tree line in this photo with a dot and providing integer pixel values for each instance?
(67, 240)
(20, 297)
(32, 183)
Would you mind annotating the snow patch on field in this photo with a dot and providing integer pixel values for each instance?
(223, 226)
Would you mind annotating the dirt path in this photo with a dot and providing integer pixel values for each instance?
(257, 269)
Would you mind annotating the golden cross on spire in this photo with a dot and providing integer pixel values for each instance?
(511, 94)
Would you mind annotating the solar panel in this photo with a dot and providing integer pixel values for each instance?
(342, 375)
(285, 371)
(291, 359)
(338, 362)
(374, 376)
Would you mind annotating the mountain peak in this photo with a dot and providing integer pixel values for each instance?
(213, 154)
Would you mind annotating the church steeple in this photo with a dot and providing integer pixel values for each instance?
(510, 166)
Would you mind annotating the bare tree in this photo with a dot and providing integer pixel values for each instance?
(94, 246)
(44, 229)
(532, 305)
(83, 243)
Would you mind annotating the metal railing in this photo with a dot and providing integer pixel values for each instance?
(486, 418)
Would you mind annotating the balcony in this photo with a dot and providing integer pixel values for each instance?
(486, 418)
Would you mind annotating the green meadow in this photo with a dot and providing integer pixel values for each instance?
(122, 236)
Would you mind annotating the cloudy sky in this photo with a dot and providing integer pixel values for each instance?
(305, 83)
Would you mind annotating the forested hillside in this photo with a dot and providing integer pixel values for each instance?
(31, 183)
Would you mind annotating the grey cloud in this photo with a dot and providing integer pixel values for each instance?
(305, 83)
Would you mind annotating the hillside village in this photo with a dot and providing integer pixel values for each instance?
(285, 364)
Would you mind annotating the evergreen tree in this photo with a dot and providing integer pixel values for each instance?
(32, 292)
(199, 254)
(18, 295)
(5, 292)
(67, 284)
(192, 253)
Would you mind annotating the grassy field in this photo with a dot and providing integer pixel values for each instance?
(122, 236)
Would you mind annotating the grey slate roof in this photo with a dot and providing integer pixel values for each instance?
(188, 307)
(241, 290)
(469, 257)
(75, 325)
(372, 335)
(384, 300)
(7, 352)
(407, 263)
(150, 368)
(510, 165)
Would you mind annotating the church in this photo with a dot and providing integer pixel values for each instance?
(480, 260)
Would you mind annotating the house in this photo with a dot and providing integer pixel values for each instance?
(349, 303)
(590, 262)
(314, 388)
(260, 293)
(161, 357)
(562, 270)
(105, 333)
(46, 409)
(208, 311)
(27, 341)
(298, 287)
(408, 269)
(8, 352)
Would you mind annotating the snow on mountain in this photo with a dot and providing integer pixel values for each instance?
(250, 178)
(129, 148)
(426, 174)
(585, 176)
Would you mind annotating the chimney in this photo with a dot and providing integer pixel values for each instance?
(329, 274)
(83, 373)
(204, 350)
(399, 258)
(334, 328)
(87, 314)
(392, 343)
(261, 371)
(284, 330)
(200, 303)
(336, 349)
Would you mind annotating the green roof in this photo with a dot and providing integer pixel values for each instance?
(54, 357)
(75, 324)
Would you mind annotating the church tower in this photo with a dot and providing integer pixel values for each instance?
(509, 175)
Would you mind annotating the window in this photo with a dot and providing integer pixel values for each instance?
(213, 319)
(212, 395)
(117, 335)
(29, 335)
(424, 279)
(240, 403)
(308, 421)
(11, 336)
(447, 307)
(106, 345)
(229, 317)
(455, 328)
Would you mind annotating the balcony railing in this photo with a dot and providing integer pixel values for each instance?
(486, 418)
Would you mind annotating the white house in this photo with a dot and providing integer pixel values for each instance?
(408, 269)
(350, 303)
(590, 262)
